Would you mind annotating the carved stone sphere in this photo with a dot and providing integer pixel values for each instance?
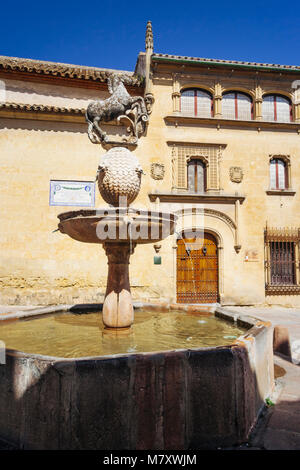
(119, 176)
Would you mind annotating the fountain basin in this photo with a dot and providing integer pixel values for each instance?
(178, 399)
(111, 224)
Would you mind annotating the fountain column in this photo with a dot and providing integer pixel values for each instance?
(118, 308)
(119, 180)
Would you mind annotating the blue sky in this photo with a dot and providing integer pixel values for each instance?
(111, 33)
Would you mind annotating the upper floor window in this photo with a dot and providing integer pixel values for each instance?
(196, 103)
(236, 105)
(196, 176)
(276, 108)
(278, 174)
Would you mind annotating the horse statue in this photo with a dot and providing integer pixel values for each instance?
(119, 106)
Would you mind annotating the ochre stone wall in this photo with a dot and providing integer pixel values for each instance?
(38, 266)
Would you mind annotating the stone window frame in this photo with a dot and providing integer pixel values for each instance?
(195, 99)
(237, 92)
(210, 154)
(205, 162)
(288, 191)
(283, 95)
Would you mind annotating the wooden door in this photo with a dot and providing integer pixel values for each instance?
(197, 268)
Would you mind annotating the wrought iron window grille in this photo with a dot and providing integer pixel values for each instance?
(282, 261)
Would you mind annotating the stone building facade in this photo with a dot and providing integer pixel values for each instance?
(221, 150)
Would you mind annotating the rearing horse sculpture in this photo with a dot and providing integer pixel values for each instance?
(119, 106)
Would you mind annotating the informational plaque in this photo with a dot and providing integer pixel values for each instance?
(72, 193)
(251, 255)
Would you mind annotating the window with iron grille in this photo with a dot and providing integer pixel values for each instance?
(195, 102)
(282, 261)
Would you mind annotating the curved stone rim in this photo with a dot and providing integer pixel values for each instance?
(89, 226)
(116, 210)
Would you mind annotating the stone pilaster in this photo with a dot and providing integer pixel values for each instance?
(297, 112)
(258, 103)
(217, 100)
(176, 94)
(174, 168)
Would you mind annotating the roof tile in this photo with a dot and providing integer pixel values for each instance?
(223, 61)
(70, 71)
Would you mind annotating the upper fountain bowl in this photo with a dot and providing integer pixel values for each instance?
(119, 224)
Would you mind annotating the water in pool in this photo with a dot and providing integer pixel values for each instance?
(82, 335)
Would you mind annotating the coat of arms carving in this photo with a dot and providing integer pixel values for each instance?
(236, 174)
(157, 171)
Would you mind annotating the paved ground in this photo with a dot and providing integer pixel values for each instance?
(286, 317)
(279, 426)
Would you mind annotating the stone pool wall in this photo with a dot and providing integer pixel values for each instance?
(185, 399)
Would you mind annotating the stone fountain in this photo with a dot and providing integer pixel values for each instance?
(119, 228)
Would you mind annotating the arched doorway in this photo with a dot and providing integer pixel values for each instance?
(197, 268)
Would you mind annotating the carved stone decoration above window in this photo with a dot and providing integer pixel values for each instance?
(183, 152)
(236, 174)
(157, 171)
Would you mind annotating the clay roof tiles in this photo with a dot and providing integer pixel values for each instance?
(41, 108)
(80, 72)
(57, 69)
(178, 58)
